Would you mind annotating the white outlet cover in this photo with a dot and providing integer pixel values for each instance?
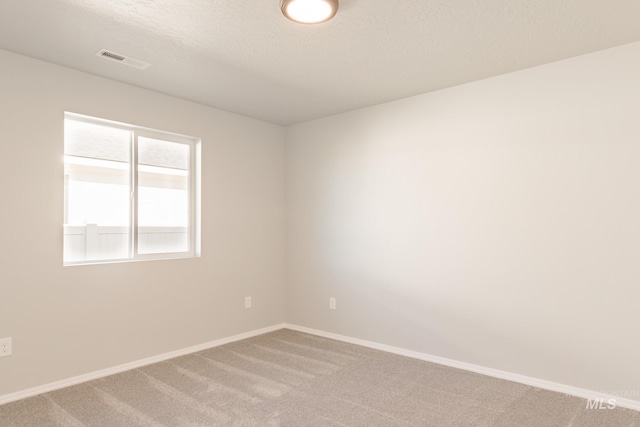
(247, 302)
(332, 303)
(5, 347)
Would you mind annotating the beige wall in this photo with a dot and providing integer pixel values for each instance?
(67, 321)
(495, 223)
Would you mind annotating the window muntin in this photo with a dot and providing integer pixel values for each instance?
(129, 192)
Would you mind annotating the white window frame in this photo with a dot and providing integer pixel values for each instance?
(193, 190)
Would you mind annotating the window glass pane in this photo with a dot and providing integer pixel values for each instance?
(163, 196)
(95, 141)
(97, 192)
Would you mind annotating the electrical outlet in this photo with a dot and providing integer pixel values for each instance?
(247, 302)
(332, 303)
(5, 347)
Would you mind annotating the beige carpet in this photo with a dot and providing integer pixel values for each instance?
(287, 378)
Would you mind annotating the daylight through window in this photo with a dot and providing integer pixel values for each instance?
(130, 193)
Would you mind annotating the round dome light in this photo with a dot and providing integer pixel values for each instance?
(309, 11)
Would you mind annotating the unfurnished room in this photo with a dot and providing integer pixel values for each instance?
(320, 213)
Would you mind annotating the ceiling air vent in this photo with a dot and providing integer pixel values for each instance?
(123, 59)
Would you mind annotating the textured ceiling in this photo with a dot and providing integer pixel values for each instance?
(244, 56)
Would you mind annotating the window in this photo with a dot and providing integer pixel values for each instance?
(129, 192)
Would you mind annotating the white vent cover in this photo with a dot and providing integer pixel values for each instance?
(123, 59)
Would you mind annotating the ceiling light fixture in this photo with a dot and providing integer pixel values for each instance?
(309, 11)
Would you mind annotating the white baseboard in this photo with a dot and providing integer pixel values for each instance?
(547, 385)
(132, 365)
